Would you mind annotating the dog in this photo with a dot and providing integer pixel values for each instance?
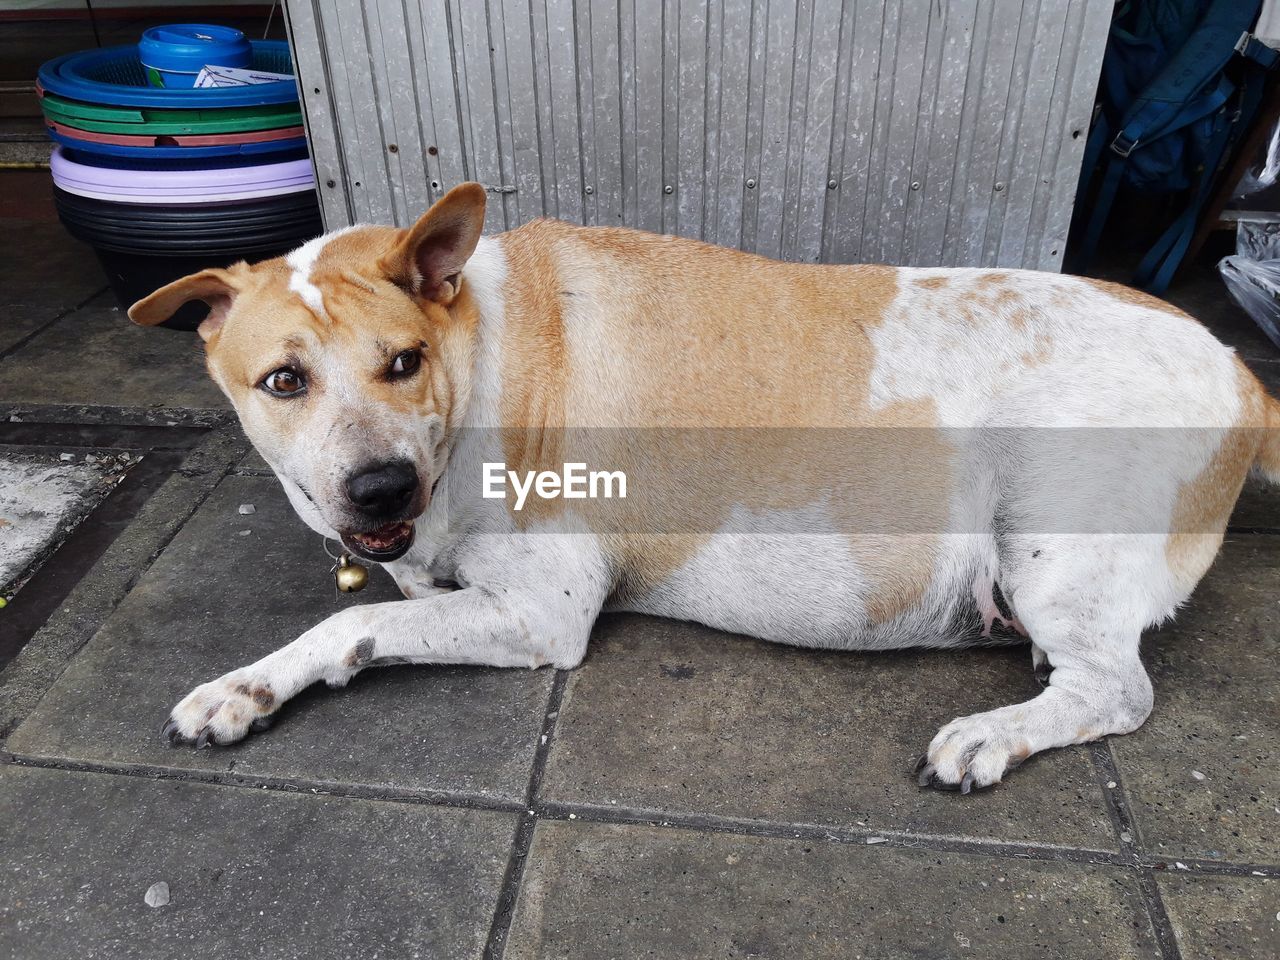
(855, 457)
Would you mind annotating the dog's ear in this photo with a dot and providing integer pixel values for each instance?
(217, 288)
(429, 257)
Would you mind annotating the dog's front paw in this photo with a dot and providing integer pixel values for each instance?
(973, 751)
(221, 712)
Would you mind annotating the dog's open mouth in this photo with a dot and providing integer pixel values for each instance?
(383, 545)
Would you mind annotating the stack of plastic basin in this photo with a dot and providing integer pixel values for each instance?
(165, 180)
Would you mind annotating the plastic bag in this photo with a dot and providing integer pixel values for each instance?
(1258, 239)
(1264, 172)
(1252, 276)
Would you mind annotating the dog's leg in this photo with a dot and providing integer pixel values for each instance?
(498, 626)
(1087, 620)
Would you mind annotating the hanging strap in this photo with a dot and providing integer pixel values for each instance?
(1251, 48)
(1161, 261)
(1157, 268)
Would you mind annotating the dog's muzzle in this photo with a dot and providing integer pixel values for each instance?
(384, 494)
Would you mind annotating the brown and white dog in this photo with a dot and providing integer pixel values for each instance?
(855, 457)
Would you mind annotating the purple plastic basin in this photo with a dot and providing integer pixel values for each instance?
(212, 185)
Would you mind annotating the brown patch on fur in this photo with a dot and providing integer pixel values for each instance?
(717, 381)
(1020, 319)
(535, 357)
(933, 283)
(264, 698)
(995, 295)
(1269, 454)
(1132, 296)
(262, 695)
(993, 279)
(360, 654)
(1204, 504)
(1043, 350)
(899, 589)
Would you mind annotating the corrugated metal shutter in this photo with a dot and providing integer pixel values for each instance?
(921, 132)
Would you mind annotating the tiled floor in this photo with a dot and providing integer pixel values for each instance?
(683, 794)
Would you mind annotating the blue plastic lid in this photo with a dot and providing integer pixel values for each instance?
(115, 76)
(186, 47)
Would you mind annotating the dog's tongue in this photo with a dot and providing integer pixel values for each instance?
(384, 538)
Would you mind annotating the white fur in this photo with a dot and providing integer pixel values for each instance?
(303, 260)
(778, 575)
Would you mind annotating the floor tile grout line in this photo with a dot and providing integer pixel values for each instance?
(1113, 798)
(106, 436)
(1161, 925)
(624, 816)
(247, 781)
(522, 840)
(1192, 866)
(96, 449)
(542, 750)
(620, 816)
(576, 812)
(109, 415)
(14, 348)
(1002, 849)
(1122, 818)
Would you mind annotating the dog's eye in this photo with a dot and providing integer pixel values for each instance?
(405, 364)
(285, 382)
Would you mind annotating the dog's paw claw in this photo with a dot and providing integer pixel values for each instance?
(931, 779)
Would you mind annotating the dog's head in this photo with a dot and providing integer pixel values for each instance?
(344, 361)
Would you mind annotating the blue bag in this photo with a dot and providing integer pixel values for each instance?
(1181, 81)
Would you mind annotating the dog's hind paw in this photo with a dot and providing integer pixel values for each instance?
(971, 752)
(221, 712)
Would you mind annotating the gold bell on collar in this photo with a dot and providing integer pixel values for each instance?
(351, 576)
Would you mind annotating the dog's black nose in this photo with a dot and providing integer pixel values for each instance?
(384, 489)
